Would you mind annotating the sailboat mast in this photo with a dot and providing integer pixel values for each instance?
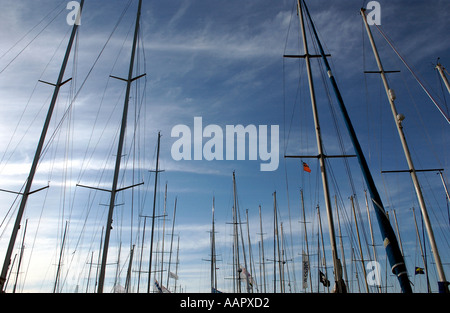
(142, 253)
(318, 252)
(398, 232)
(323, 247)
(163, 235)
(398, 122)
(306, 238)
(89, 273)
(390, 242)
(236, 238)
(445, 186)
(421, 250)
(58, 271)
(441, 69)
(359, 244)
(321, 156)
(250, 253)
(262, 250)
(116, 276)
(171, 243)
(123, 127)
(99, 257)
(37, 156)
(213, 253)
(275, 237)
(21, 255)
(282, 261)
(375, 258)
(130, 263)
(177, 262)
(153, 216)
(341, 243)
(241, 270)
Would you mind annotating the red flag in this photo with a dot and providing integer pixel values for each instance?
(306, 167)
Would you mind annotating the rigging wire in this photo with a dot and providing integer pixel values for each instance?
(286, 140)
(35, 238)
(421, 124)
(68, 113)
(15, 203)
(413, 73)
(342, 149)
(34, 38)
(33, 28)
(441, 85)
(425, 132)
(317, 180)
(19, 123)
(86, 78)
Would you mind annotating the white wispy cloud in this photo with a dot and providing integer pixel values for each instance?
(222, 61)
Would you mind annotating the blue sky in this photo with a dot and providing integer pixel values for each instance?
(221, 61)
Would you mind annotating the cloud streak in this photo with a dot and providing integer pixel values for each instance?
(218, 60)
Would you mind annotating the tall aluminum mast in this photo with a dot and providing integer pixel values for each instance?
(398, 118)
(441, 70)
(153, 217)
(114, 190)
(340, 285)
(27, 191)
(390, 241)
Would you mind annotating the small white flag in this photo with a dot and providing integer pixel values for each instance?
(173, 275)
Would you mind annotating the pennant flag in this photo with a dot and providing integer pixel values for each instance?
(324, 280)
(173, 275)
(119, 289)
(214, 290)
(245, 275)
(419, 270)
(306, 167)
(159, 288)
